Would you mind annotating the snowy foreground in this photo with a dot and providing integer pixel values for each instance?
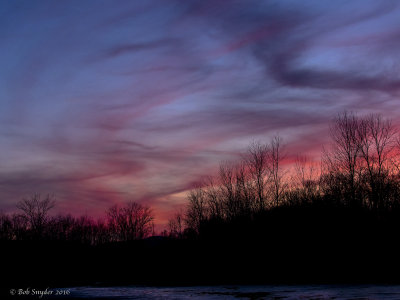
(240, 292)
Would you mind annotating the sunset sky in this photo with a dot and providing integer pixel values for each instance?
(108, 101)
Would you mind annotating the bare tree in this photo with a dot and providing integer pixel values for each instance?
(244, 189)
(304, 179)
(344, 159)
(274, 165)
(130, 222)
(227, 179)
(257, 161)
(377, 140)
(197, 210)
(35, 211)
(214, 199)
(176, 225)
(359, 163)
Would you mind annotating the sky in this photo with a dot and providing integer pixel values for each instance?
(104, 102)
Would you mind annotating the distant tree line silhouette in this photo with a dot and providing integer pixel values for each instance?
(122, 223)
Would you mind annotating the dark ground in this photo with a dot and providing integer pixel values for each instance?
(289, 248)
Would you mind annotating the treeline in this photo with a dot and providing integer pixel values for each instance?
(265, 219)
(132, 221)
(358, 177)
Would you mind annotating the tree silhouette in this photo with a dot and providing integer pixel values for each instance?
(196, 211)
(377, 140)
(275, 169)
(35, 212)
(176, 225)
(130, 222)
(257, 162)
